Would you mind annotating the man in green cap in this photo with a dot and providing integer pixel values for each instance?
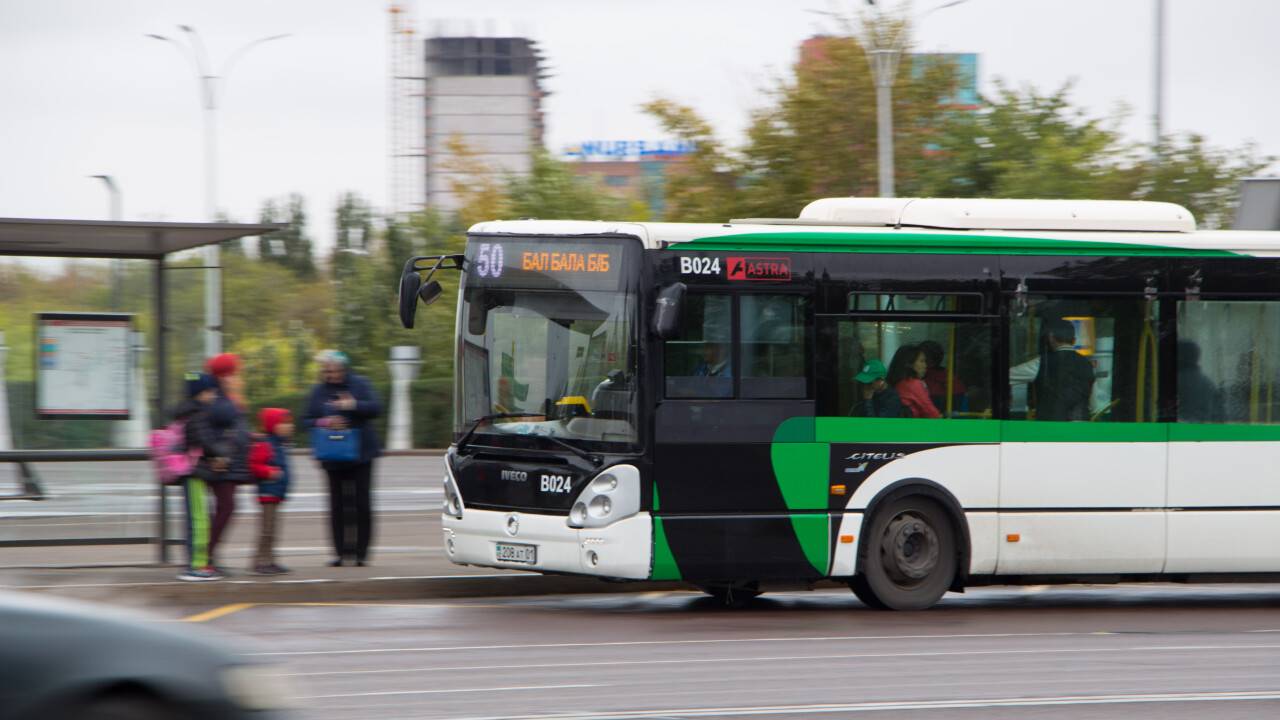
(877, 398)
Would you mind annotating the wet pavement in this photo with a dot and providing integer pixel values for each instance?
(1070, 652)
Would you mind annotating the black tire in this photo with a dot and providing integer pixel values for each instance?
(863, 592)
(732, 596)
(910, 559)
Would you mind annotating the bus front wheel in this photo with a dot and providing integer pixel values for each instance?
(910, 560)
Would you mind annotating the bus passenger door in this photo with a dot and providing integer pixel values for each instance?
(1083, 462)
(739, 369)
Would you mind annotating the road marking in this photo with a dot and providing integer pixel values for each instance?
(792, 658)
(903, 705)
(438, 692)
(216, 613)
(631, 643)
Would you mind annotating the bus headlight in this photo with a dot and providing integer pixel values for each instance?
(452, 497)
(611, 496)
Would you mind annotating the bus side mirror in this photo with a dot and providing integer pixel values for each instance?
(667, 311)
(430, 292)
(410, 283)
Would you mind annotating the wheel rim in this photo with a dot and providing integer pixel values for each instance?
(909, 550)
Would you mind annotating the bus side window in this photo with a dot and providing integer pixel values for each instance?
(1228, 361)
(772, 332)
(1081, 359)
(699, 363)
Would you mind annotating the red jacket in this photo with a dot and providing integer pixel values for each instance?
(915, 395)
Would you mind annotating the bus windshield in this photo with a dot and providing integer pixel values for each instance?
(547, 327)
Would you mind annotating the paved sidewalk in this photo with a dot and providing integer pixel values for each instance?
(118, 499)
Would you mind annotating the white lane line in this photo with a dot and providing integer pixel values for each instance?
(716, 641)
(793, 658)
(440, 692)
(902, 705)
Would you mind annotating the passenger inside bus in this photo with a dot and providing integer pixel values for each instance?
(1199, 400)
(1061, 377)
(936, 379)
(876, 398)
(906, 376)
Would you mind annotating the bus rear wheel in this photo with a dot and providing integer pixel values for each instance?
(910, 561)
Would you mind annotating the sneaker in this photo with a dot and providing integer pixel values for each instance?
(280, 569)
(206, 574)
(269, 569)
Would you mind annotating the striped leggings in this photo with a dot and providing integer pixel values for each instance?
(196, 493)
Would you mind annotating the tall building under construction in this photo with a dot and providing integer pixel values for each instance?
(483, 97)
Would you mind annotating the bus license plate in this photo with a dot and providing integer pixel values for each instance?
(527, 554)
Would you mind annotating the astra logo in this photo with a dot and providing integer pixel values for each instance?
(876, 456)
(515, 475)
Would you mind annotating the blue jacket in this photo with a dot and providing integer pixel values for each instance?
(368, 406)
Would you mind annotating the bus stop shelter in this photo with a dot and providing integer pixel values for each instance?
(148, 241)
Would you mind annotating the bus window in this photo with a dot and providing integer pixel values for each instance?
(955, 360)
(1228, 361)
(772, 332)
(699, 363)
(1084, 359)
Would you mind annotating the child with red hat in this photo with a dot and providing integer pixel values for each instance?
(269, 463)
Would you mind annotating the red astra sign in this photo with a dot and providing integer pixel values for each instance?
(776, 269)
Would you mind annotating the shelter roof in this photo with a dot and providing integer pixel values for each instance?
(115, 239)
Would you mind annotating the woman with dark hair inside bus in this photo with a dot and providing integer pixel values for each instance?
(906, 373)
(935, 378)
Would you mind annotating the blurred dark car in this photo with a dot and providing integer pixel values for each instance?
(62, 660)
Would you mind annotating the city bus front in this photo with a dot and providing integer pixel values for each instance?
(544, 471)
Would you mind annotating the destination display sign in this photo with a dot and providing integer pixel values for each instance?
(581, 265)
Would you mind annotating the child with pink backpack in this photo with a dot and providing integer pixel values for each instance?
(178, 451)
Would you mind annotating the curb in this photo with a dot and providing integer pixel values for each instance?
(236, 590)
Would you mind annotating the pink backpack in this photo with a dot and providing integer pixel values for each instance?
(169, 453)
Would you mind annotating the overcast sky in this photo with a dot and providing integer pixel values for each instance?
(82, 91)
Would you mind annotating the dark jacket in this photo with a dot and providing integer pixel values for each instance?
(200, 434)
(267, 456)
(368, 406)
(885, 404)
(1063, 386)
(232, 436)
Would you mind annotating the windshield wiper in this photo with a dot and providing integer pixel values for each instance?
(593, 459)
(466, 437)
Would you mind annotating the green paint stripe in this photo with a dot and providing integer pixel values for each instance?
(664, 561)
(930, 243)
(801, 470)
(1043, 431)
(796, 429)
(1223, 433)
(909, 430)
(814, 533)
(849, 429)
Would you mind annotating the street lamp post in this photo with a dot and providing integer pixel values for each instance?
(884, 69)
(117, 213)
(194, 52)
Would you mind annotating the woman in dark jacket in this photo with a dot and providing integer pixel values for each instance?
(343, 399)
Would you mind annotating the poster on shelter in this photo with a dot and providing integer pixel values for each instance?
(83, 366)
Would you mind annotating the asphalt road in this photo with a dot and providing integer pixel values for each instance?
(1129, 651)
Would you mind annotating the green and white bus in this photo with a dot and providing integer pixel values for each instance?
(1077, 391)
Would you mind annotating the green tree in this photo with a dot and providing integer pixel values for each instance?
(291, 246)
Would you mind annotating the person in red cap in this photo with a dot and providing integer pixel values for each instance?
(269, 463)
(230, 425)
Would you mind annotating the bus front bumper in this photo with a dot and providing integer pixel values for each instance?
(489, 538)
